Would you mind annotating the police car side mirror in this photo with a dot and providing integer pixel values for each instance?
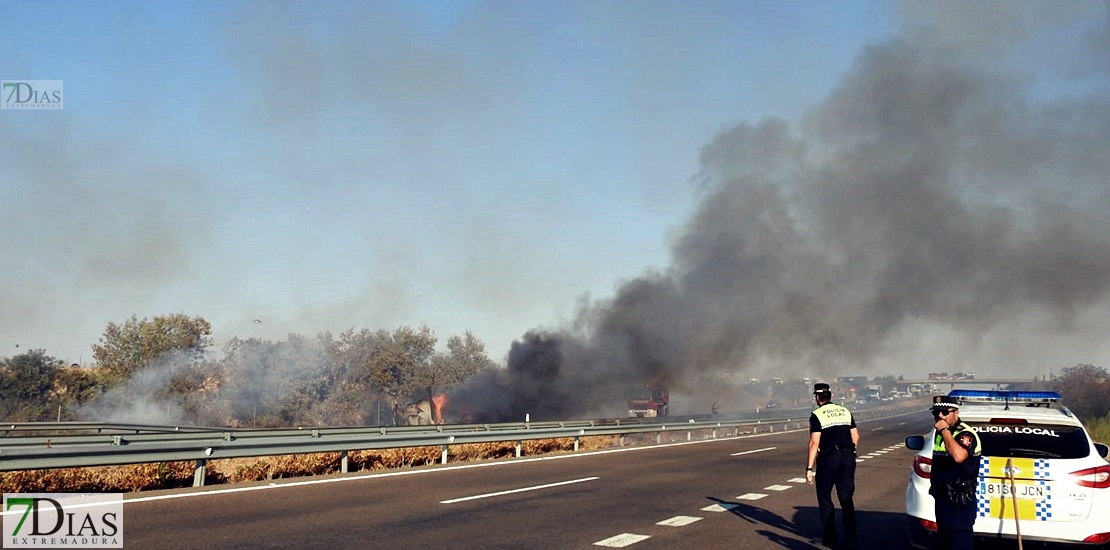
(1103, 450)
(915, 442)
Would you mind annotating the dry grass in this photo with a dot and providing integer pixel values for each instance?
(171, 475)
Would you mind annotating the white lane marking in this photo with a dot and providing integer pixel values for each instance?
(521, 490)
(901, 423)
(751, 496)
(754, 451)
(622, 540)
(679, 521)
(777, 487)
(878, 429)
(860, 460)
(797, 480)
(719, 507)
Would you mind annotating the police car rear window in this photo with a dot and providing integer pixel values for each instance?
(1032, 440)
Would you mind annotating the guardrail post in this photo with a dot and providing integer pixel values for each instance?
(689, 435)
(518, 448)
(576, 443)
(200, 472)
(343, 461)
(443, 455)
(658, 438)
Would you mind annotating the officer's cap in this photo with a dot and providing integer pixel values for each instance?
(944, 402)
(821, 388)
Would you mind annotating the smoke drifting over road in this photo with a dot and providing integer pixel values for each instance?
(934, 210)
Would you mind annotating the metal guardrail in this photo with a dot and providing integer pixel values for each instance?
(164, 444)
(95, 427)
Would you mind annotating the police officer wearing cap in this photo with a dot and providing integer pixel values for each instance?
(956, 451)
(833, 438)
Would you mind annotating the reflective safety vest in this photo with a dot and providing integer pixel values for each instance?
(945, 468)
(835, 424)
(831, 414)
(938, 440)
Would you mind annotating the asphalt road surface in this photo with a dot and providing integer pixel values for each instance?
(739, 492)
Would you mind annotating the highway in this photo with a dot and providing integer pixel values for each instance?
(741, 492)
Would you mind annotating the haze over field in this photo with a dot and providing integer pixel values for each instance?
(626, 190)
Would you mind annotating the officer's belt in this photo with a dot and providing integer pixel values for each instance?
(837, 448)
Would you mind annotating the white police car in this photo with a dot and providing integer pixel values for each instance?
(1040, 474)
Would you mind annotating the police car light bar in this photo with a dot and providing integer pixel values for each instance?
(1006, 396)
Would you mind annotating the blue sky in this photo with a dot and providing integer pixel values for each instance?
(319, 166)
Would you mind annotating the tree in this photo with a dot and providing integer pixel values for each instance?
(1084, 388)
(76, 385)
(465, 358)
(195, 389)
(276, 383)
(401, 365)
(355, 398)
(26, 382)
(127, 348)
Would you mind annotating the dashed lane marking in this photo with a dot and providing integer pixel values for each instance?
(875, 454)
(751, 496)
(797, 480)
(679, 521)
(754, 451)
(723, 507)
(622, 540)
(777, 487)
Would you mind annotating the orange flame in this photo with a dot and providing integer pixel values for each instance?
(439, 400)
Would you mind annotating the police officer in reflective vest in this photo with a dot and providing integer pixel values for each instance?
(956, 451)
(833, 438)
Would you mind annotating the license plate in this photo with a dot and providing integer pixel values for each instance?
(1025, 500)
(1020, 489)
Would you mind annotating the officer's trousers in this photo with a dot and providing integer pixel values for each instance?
(954, 524)
(836, 468)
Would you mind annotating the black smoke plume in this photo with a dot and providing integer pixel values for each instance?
(935, 211)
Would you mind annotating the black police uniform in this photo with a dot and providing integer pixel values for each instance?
(836, 465)
(952, 485)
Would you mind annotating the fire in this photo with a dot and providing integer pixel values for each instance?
(438, 401)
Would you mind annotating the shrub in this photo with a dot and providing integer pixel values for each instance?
(1099, 428)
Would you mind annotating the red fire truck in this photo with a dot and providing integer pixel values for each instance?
(648, 401)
